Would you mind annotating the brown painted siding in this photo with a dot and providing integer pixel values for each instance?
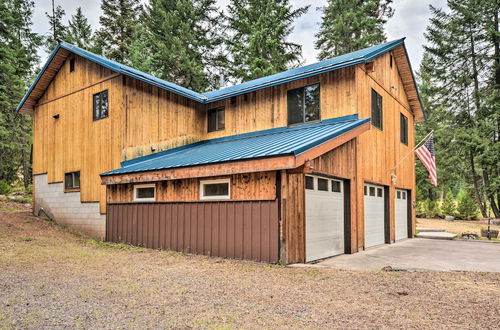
(241, 230)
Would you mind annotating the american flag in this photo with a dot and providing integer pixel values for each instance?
(427, 156)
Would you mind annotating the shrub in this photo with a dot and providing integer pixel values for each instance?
(5, 188)
(467, 208)
(427, 208)
(448, 207)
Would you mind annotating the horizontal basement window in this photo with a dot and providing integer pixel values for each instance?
(215, 189)
(145, 192)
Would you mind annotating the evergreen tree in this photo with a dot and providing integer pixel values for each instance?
(18, 45)
(448, 207)
(461, 66)
(467, 208)
(349, 25)
(58, 31)
(257, 41)
(79, 32)
(118, 21)
(183, 38)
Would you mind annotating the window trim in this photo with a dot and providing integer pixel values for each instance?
(73, 188)
(216, 110)
(403, 138)
(303, 100)
(381, 127)
(215, 181)
(147, 185)
(93, 105)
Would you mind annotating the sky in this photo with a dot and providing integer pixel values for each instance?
(410, 20)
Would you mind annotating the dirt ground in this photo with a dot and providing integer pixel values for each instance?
(457, 226)
(53, 278)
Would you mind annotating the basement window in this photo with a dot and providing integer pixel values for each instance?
(145, 193)
(72, 180)
(377, 111)
(100, 105)
(403, 129)
(303, 104)
(215, 189)
(216, 119)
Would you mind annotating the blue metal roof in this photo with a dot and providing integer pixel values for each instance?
(357, 57)
(283, 141)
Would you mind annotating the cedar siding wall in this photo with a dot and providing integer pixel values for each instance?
(248, 186)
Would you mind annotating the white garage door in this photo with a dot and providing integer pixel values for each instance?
(401, 204)
(374, 215)
(324, 218)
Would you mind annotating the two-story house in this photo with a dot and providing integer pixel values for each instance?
(296, 166)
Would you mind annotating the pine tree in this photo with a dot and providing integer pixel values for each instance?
(79, 32)
(462, 68)
(467, 208)
(257, 41)
(18, 45)
(183, 40)
(349, 25)
(118, 21)
(58, 31)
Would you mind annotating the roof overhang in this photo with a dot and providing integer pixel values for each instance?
(284, 162)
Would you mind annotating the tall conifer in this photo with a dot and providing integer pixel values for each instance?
(79, 32)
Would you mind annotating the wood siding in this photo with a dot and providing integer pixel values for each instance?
(241, 230)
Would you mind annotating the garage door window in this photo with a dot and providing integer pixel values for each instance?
(372, 191)
(145, 193)
(215, 189)
(379, 192)
(322, 184)
(336, 187)
(309, 182)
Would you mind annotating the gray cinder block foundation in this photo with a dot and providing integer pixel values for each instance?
(67, 209)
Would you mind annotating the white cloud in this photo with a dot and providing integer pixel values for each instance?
(410, 20)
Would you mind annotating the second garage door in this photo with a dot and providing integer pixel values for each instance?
(324, 218)
(401, 204)
(374, 215)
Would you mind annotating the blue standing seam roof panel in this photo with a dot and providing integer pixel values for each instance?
(263, 144)
(342, 61)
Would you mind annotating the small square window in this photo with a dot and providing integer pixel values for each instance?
(309, 182)
(322, 184)
(379, 192)
(72, 65)
(215, 189)
(72, 180)
(101, 105)
(377, 111)
(145, 192)
(398, 194)
(372, 191)
(303, 104)
(216, 119)
(336, 186)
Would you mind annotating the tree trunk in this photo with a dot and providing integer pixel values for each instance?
(491, 197)
(477, 191)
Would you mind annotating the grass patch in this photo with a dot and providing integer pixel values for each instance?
(108, 245)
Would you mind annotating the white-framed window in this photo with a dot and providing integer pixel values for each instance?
(215, 189)
(145, 192)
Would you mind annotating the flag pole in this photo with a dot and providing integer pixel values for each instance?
(412, 150)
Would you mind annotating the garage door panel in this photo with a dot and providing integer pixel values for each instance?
(324, 222)
(374, 215)
(401, 214)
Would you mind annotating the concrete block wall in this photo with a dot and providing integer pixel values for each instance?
(67, 209)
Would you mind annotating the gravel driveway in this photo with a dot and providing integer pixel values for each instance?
(53, 278)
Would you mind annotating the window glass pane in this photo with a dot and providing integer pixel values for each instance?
(97, 104)
(146, 192)
(372, 191)
(295, 106)
(404, 195)
(398, 194)
(212, 120)
(309, 182)
(76, 179)
(366, 190)
(404, 129)
(68, 180)
(322, 184)
(72, 65)
(376, 109)
(216, 189)
(336, 186)
(221, 120)
(104, 104)
(311, 98)
(379, 192)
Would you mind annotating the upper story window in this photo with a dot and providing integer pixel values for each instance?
(101, 105)
(72, 65)
(303, 104)
(215, 189)
(377, 111)
(390, 60)
(403, 128)
(145, 192)
(216, 119)
(72, 180)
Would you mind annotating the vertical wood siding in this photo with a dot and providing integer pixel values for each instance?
(240, 230)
